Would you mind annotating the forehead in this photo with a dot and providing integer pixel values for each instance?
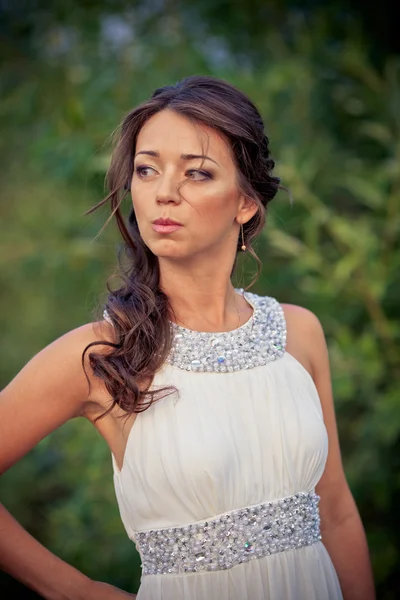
(170, 133)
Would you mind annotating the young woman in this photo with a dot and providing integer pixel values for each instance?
(216, 403)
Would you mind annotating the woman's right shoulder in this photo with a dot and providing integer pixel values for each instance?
(55, 385)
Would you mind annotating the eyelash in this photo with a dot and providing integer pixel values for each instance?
(207, 175)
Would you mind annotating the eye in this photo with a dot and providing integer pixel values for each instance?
(205, 174)
(139, 171)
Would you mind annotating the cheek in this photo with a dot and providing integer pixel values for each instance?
(217, 206)
(139, 199)
(142, 205)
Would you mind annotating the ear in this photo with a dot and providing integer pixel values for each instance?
(246, 210)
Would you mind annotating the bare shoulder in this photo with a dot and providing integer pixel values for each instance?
(305, 335)
(302, 319)
(51, 388)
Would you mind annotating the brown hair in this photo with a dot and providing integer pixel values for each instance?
(139, 309)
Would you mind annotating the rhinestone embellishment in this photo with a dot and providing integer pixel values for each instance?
(257, 342)
(260, 340)
(232, 538)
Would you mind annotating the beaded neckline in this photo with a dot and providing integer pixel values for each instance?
(255, 343)
(260, 340)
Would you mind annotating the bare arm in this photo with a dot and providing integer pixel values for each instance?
(47, 392)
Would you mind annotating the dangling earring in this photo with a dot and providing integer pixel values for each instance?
(243, 244)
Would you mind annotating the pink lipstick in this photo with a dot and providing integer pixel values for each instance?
(165, 225)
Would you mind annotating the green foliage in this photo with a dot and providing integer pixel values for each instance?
(334, 123)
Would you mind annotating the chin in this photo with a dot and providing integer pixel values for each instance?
(171, 255)
(167, 249)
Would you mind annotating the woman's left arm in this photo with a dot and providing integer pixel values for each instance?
(341, 528)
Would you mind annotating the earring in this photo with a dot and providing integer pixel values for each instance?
(243, 244)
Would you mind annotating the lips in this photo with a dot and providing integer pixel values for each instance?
(165, 225)
(166, 222)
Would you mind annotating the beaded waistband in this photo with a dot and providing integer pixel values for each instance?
(233, 537)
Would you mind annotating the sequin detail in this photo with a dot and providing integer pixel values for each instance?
(257, 342)
(260, 340)
(232, 538)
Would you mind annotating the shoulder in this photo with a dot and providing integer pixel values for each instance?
(73, 343)
(305, 337)
(302, 321)
(65, 363)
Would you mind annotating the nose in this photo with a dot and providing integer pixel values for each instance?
(168, 191)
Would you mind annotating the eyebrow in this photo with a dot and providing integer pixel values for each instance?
(183, 156)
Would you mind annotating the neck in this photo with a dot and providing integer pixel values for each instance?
(203, 297)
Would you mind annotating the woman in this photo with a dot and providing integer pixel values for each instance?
(216, 403)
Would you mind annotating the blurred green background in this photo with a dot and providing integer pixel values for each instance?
(326, 78)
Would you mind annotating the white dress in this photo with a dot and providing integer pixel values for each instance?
(217, 485)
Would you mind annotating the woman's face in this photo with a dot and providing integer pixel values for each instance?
(167, 153)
